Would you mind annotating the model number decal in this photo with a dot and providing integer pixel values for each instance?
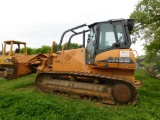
(121, 60)
(117, 60)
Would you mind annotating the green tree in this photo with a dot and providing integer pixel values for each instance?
(147, 28)
(45, 49)
(147, 17)
(71, 46)
(29, 50)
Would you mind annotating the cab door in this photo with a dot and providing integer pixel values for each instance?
(91, 44)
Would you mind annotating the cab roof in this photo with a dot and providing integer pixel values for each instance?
(111, 20)
(128, 22)
(14, 42)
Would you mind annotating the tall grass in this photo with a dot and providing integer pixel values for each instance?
(19, 100)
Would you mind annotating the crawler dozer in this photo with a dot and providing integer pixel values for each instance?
(104, 69)
(14, 64)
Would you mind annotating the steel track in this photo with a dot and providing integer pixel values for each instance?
(111, 82)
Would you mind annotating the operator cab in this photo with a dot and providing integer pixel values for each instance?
(104, 36)
(13, 44)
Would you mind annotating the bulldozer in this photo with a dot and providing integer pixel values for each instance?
(14, 63)
(102, 69)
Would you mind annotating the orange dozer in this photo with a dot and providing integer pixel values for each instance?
(14, 64)
(104, 69)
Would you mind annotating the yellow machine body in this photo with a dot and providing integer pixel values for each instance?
(74, 61)
(103, 69)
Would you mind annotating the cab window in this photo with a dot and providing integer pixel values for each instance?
(90, 44)
(110, 34)
(107, 37)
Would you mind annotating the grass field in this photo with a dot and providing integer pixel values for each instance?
(19, 100)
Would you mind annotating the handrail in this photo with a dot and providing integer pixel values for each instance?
(69, 31)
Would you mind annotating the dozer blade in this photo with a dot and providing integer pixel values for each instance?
(19, 70)
(24, 65)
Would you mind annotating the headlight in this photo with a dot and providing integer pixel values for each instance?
(8, 60)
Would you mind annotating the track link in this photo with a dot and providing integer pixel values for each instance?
(110, 89)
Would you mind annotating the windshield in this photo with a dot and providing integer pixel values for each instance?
(108, 36)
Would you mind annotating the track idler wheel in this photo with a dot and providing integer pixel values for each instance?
(40, 82)
(122, 93)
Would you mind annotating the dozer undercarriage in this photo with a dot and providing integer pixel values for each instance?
(108, 89)
(104, 69)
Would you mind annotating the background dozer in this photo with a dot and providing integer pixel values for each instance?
(14, 64)
(104, 69)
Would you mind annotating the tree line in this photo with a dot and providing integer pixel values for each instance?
(46, 49)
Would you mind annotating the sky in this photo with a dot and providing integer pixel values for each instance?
(39, 22)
